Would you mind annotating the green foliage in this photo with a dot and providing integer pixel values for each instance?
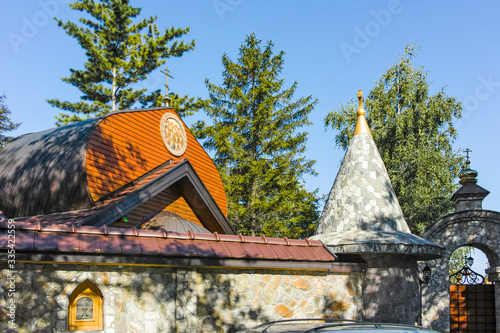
(6, 124)
(120, 53)
(413, 131)
(258, 144)
(184, 105)
(457, 260)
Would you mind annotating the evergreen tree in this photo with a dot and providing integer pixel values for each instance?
(120, 54)
(414, 132)
(258, 145)
(6, 124)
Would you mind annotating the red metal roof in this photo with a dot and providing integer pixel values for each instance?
(57, 238)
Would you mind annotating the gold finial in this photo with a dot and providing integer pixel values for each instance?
(467, 151)
(361, 111)
(361, 124)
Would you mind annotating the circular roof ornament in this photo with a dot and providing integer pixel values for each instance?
(173, 134)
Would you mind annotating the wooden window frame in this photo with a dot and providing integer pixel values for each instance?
(86, 289)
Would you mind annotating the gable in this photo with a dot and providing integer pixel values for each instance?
(171, 199)
(153, 192)
(127, 144)
(142, 193)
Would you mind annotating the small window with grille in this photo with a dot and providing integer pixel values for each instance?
(85, 307)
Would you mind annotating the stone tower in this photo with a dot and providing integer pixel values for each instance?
(362, 221)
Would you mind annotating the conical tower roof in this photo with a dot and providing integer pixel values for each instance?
(362, 213)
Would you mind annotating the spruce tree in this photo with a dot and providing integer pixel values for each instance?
(258, 144)
(6, 125)
(120, 53)
(414, 132)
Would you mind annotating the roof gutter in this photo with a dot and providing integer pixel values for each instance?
(197, 262)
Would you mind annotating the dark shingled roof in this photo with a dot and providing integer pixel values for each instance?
(29, 182)
(469, 189)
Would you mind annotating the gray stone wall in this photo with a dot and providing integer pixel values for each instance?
(158, 299)
(390, 287)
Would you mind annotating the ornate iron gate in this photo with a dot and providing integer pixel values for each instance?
(472, 303)
(472, 308)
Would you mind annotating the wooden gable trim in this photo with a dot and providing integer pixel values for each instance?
(194, 192)
(193, 189)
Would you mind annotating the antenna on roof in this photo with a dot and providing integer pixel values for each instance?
(166, 99)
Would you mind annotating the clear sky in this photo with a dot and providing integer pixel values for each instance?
(333, 49)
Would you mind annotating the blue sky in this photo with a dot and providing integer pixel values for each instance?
(333, 49)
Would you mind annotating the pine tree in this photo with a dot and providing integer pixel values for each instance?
(258, 146)
(120, 54)
(414, 132)
(6, 125)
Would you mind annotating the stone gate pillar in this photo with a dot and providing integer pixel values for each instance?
(494, 276)
(436, 296)
(469, 225)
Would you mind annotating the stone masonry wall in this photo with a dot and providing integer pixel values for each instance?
(239, 299)
(390, 288)
(478, 228)
(158, 299)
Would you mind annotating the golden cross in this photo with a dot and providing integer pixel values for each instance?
(167, 75)
(166, 98)
(467, 151)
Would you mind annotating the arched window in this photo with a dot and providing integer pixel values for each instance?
(85, 307)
